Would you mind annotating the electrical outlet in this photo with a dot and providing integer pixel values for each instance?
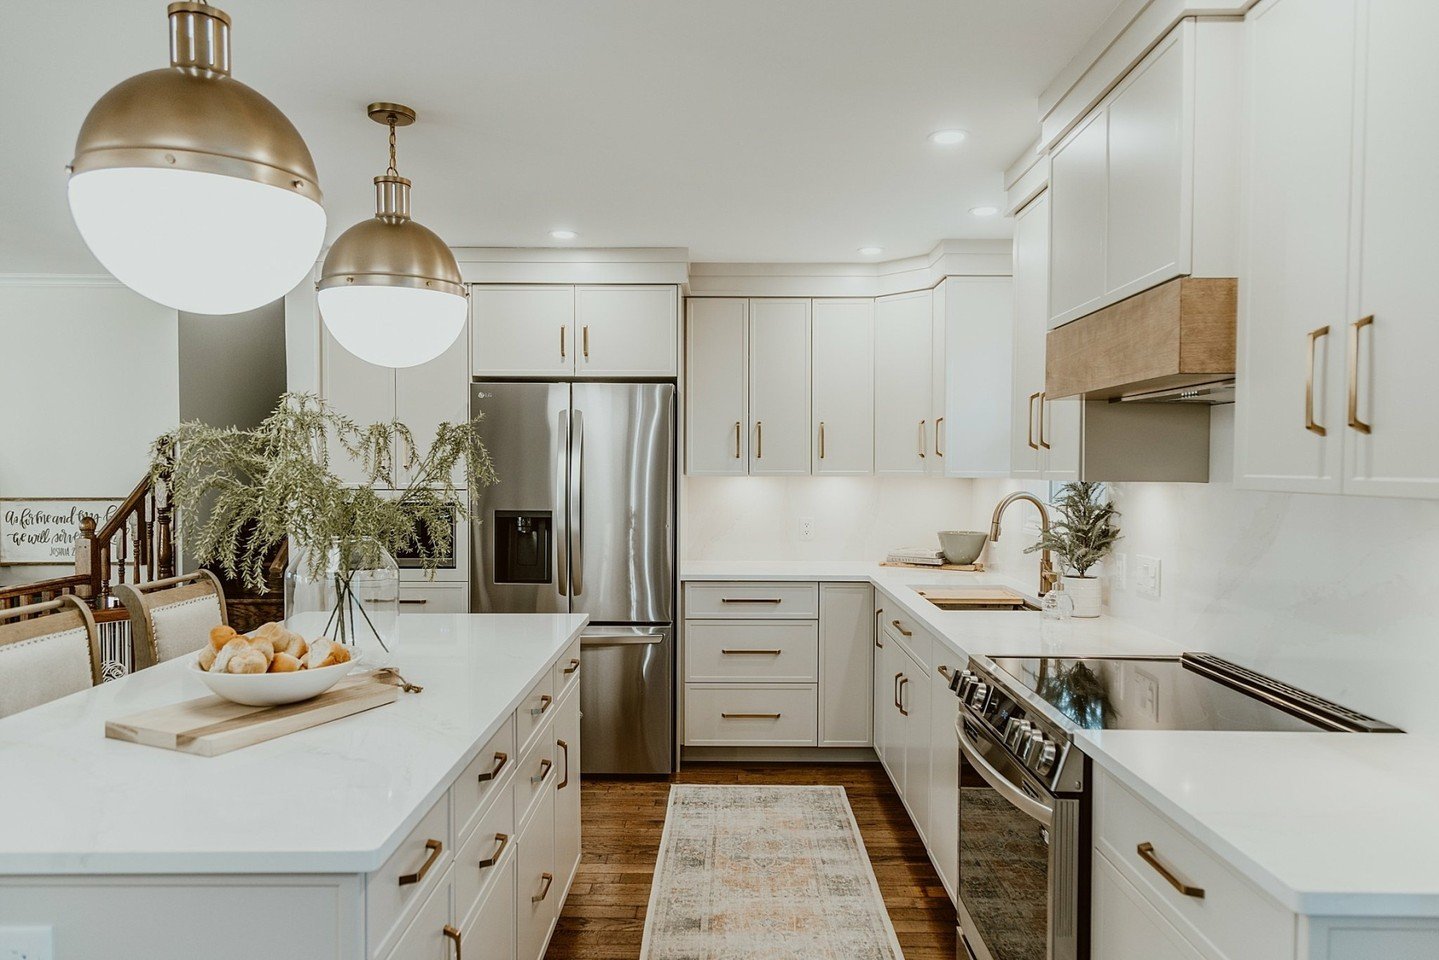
(806, 528)
(1118, 571)
(1146, 695)
(27, 943)
(1146, 576)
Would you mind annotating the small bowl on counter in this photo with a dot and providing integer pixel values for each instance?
(273, 689)
(962, 546)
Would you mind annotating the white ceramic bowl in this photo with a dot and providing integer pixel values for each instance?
(272, 689)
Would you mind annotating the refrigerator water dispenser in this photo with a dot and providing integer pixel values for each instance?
(524, 546)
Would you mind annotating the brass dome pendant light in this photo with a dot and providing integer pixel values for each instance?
(390, 290)
(190, 187)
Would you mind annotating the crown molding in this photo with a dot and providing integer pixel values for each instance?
(981, 258)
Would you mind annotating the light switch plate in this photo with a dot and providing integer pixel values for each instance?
(27, 943)
(1146, 576)
(806, 528)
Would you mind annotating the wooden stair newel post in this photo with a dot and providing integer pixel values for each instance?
(85, 560)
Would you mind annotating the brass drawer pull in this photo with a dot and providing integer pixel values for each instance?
(436, 848)
(737, 429)
(503, 840)
(902, 631)
(545, 767)
(1029, 427)
(903, 682)
(759, 439)
(943, 671)
(574, 665)
(587, 341)
(500, 760)
(565, 782)
(744, 653)
(896, 690)
(922, 444)
(549, 879)
(414, 600)
(1146, 853)
(545, 701)
(821, 439)
(751, 600)
(1354, 329)
(1042, 442)
(938, 433)
(562, 341)
(749, 716)
(453, 936)
(1310, 423)
(878, 633)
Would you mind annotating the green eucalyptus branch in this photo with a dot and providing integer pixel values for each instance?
(1085, 532)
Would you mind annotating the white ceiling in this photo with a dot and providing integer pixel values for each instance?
(745, 130)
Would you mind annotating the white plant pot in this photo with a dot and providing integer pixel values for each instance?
(1085, 592)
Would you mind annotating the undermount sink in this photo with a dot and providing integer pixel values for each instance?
(963, 599)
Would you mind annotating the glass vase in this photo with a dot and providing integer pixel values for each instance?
(351, 594)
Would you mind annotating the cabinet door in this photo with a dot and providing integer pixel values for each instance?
(1150, 129)
(914, 700)
(1060, 431)
(936, 465)
(779, 387)
(361, 391)
(425, 938)
(1031, 313)
(880, 704)
(716, 388)
(1394, 368)
(979, 312)
(489, 933)
(626, 331)
(842, 337)
(903, 419)
(1293, 301)
(846, 637)
(944, 776)
(537, 892)
(896, 665)
(432, 393)
(523, 331)
(567, 793)
(1078, 191)
(1126, 926)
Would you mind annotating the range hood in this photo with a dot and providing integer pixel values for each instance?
(1171, 343)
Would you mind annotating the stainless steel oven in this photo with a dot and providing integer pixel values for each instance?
(413, 557)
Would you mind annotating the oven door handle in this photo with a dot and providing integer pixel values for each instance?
(1001, 784)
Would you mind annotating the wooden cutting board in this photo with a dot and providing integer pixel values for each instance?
(963, 567)
(211, 726)
(976, 596)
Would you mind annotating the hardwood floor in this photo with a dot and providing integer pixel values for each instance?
(604, 917)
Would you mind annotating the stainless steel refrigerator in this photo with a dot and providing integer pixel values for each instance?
(582, 521)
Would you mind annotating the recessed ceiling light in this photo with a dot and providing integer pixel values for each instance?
(870, 251)
(563, 234)
(947, 137)
(984, 211)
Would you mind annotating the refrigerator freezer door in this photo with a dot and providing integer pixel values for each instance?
(626, 700)
(520, 534)
(621, 510)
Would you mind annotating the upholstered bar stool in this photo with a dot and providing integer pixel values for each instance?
(47, 656)
(172, 617)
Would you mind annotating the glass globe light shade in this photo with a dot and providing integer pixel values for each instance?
(393, 326)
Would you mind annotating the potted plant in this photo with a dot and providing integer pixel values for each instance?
(1083, 535)
(239, 494)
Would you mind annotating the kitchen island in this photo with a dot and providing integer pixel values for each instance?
(380, 835)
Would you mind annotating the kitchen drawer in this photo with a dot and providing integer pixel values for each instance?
(537, 891)
(914, 639)
(749, 601)
(483, 856)
(751, 714)
(488, 776)
(535, 773)
(535, 710)
(751, 650)
(425, 938)
(488, 933)
(1234, 918)
(434, 597)
(567, 671)
(395, 891)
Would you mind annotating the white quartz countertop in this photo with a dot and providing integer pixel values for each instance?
(337, 798)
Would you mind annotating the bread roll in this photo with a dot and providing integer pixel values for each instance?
(234, 648)
(219, 636)
(207, 656)
(251, 660)
(284, 663)
(326, 653)
(298, 648)
(265, 647)
(288, 641)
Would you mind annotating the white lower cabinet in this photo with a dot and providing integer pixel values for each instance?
(904, 719)
(489, 932)
(431, 934)
(567, 793)
(537, 894)
(944, 773)
(1127, 926)
(845, 634)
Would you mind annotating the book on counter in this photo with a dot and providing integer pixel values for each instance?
(922, 556)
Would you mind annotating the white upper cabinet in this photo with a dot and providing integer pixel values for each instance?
(977, 317)
(842, 339)
(716, 388)
(626, 331)
(935, 464)
(1078, 184)
(429, 394)
(361, 391)
(523, 331)
(903, 398)
(779, 387)
(1336, 332)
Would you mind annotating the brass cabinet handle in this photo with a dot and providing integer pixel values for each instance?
(922, 443)
(751, 600)
(943, 671)
(502, 840)
(562, 341)
(549, 879)
(545, 701)
(938, 432)
(749, 716)
(565, 781)
(1042, 442)
(500, 760)
(878, 633)
(739, 653)
(737, 428)
(574, 665)
(1354, 329)
(821, 439)
(1146, 853)
(587, 341)
(1310, 423)
(454, 937)
(436, 848)
(759, 439)
(1029, 427)
(546, 766)
(414, 600)
(896, 690)
(903, 682)
(902, 631)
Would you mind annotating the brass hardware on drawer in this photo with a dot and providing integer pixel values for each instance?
(742, 653)
(1354, 329)
(1309, 422)
(565, 781)
(922, 444)
(500, 760)
(1042, 442)
(545, 767)
(545, 701)
(587, 341)
(454, 936)
(737, 429)
(902, 631)
(562, 341)
(502, 840)
(896, 690)
(749, 716)
(414, 600)
(574, 665)
(436, 848)
(821, 439)
(549, 879)
(1146, 853)
(1029, 428)
(878, 633)
(903, 682)
(759, 439)
(938, 433)
(944, 671)
(751, 600)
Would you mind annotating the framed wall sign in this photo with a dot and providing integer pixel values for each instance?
(43, 532)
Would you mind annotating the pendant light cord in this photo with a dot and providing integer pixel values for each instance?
(392, 170)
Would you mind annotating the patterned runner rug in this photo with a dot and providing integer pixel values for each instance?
(764, 873)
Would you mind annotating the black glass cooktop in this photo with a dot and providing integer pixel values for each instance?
(1169, 694)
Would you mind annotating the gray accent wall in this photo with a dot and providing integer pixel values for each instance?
(232, 369)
